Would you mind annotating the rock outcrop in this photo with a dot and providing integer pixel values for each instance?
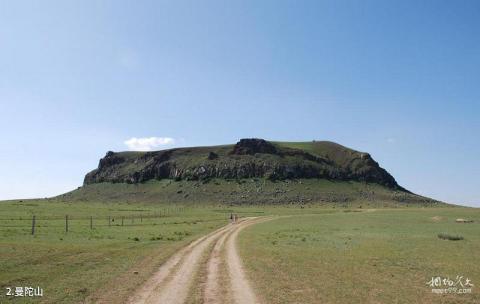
(249, 158)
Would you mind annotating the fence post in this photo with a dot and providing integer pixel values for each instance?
(122, 220)
(109, 221)
(91, 222)
(141, 218)
(66, 223)
(33, 225)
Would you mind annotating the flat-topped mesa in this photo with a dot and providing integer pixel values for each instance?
(249, 158)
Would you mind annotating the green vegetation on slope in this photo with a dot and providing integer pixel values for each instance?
(327, 149)
(255, 191)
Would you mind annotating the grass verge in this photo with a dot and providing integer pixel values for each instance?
(374, 256)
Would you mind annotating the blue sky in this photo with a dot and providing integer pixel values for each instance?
(398, 79)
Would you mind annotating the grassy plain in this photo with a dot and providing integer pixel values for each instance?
(90, 264)
(372, 256)
(310, 253)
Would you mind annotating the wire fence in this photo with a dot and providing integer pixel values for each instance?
(67, 221)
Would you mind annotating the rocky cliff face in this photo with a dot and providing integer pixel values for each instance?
(249, 158)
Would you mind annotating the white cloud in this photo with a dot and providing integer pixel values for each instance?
(391, 140)
(148, 143)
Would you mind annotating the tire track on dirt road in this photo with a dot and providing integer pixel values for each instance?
(239, 290)
(173, 282)
(164, 284)
(212, 292)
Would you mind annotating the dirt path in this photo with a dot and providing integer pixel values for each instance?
(241, 289)
(238, 289)
(212, 293)
(173, 281)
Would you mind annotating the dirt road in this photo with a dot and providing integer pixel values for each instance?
(225, 280)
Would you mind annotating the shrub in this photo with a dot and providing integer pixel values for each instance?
(450, 237)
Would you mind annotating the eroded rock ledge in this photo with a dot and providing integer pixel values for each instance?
(249, 158)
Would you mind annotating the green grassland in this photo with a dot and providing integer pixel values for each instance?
(327, 149)
(86, 264)
(371, 256)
